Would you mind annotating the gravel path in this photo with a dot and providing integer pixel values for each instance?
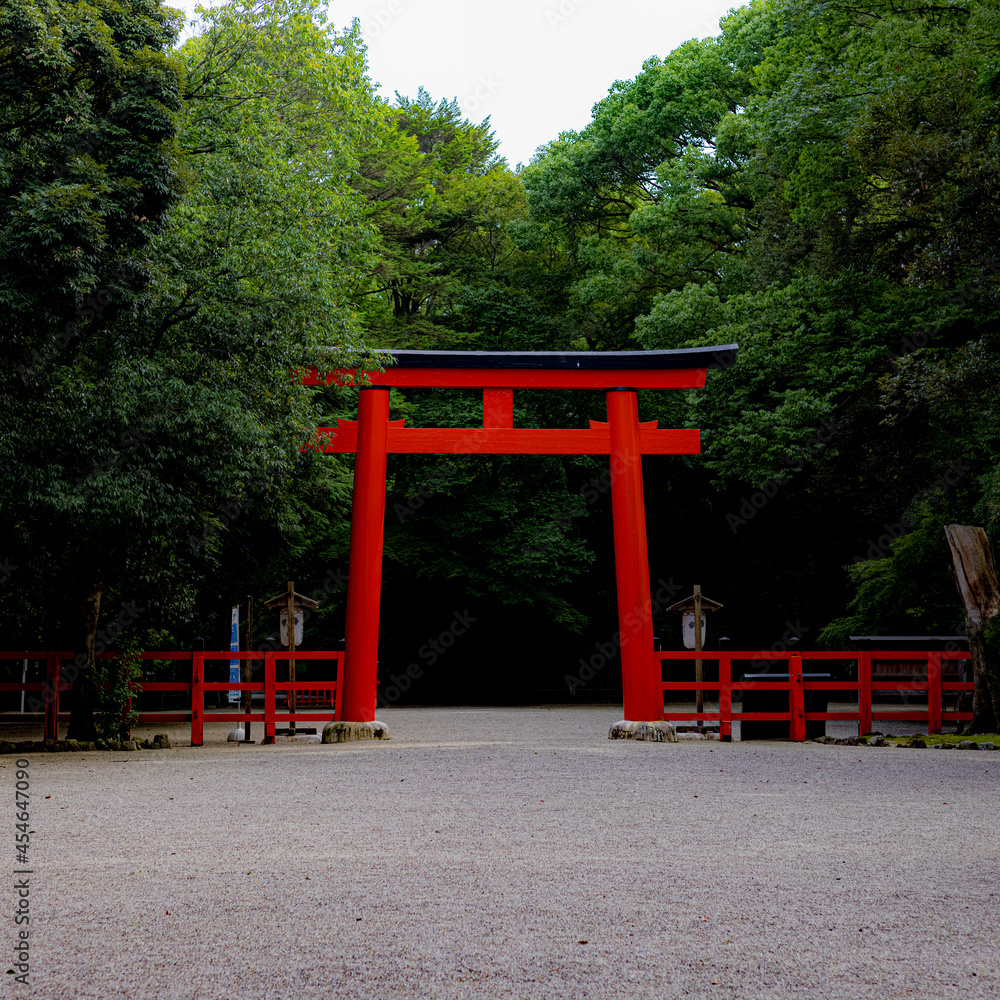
(512, 853)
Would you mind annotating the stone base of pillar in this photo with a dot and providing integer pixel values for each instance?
(347, 732)
(655, 732)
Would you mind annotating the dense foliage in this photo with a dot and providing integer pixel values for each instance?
(181, 226)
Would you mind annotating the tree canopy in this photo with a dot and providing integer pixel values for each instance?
(183, 225)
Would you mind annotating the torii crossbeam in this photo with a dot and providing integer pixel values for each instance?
(498, 373)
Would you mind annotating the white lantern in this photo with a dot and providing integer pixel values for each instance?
(687, 629)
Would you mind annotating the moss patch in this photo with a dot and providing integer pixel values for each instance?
(945, 738)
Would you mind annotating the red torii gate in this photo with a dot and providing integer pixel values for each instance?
(498, 373)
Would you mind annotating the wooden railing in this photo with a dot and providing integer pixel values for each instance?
(863, 687)
(796, 716)
(46, 694)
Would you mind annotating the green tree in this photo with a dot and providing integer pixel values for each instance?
(178, 419)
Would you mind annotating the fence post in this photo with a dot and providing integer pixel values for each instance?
(269, 697)
(933, 692)
(796, 700)
(340, 685)
(725, 699)
(864, 692)
(51, 696)
(197, 699)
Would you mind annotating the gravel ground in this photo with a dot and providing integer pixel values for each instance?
(450, 863)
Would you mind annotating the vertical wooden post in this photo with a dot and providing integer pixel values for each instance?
(247, 672)
(796, 700)
(498, 408)
(864, 692)
(51, 726)
(933, 692)
(725, 698)
(290, 695)
(364, 577)
(641, 681)
(269, 695)
(197, 699)
(699, 671)
(339, 693)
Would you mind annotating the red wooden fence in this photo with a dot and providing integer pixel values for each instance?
(51, 688)
(796, 716)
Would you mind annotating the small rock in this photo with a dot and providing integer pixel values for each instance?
(987, 746)
(947, 746)
(162, 740)
(968, 745)
(654, 732)
(917, 744)
(856, 741)
(128, 745)
(936, 746)
(236, 736)
(345, 732)
(877, 741)
(101, 745)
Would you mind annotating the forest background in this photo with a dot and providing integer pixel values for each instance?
(182, 226)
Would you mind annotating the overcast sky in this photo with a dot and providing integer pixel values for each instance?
(536, 67)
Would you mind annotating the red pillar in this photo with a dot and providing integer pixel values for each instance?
(796, 700)
(641, 679)
(364, 577)
(269, 698)
(197, 699)
(864, 693)
(933, 693)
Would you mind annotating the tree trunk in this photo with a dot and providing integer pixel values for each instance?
(83, 696)
(976, 578)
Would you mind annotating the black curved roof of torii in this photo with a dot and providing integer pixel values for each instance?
(721, 356)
